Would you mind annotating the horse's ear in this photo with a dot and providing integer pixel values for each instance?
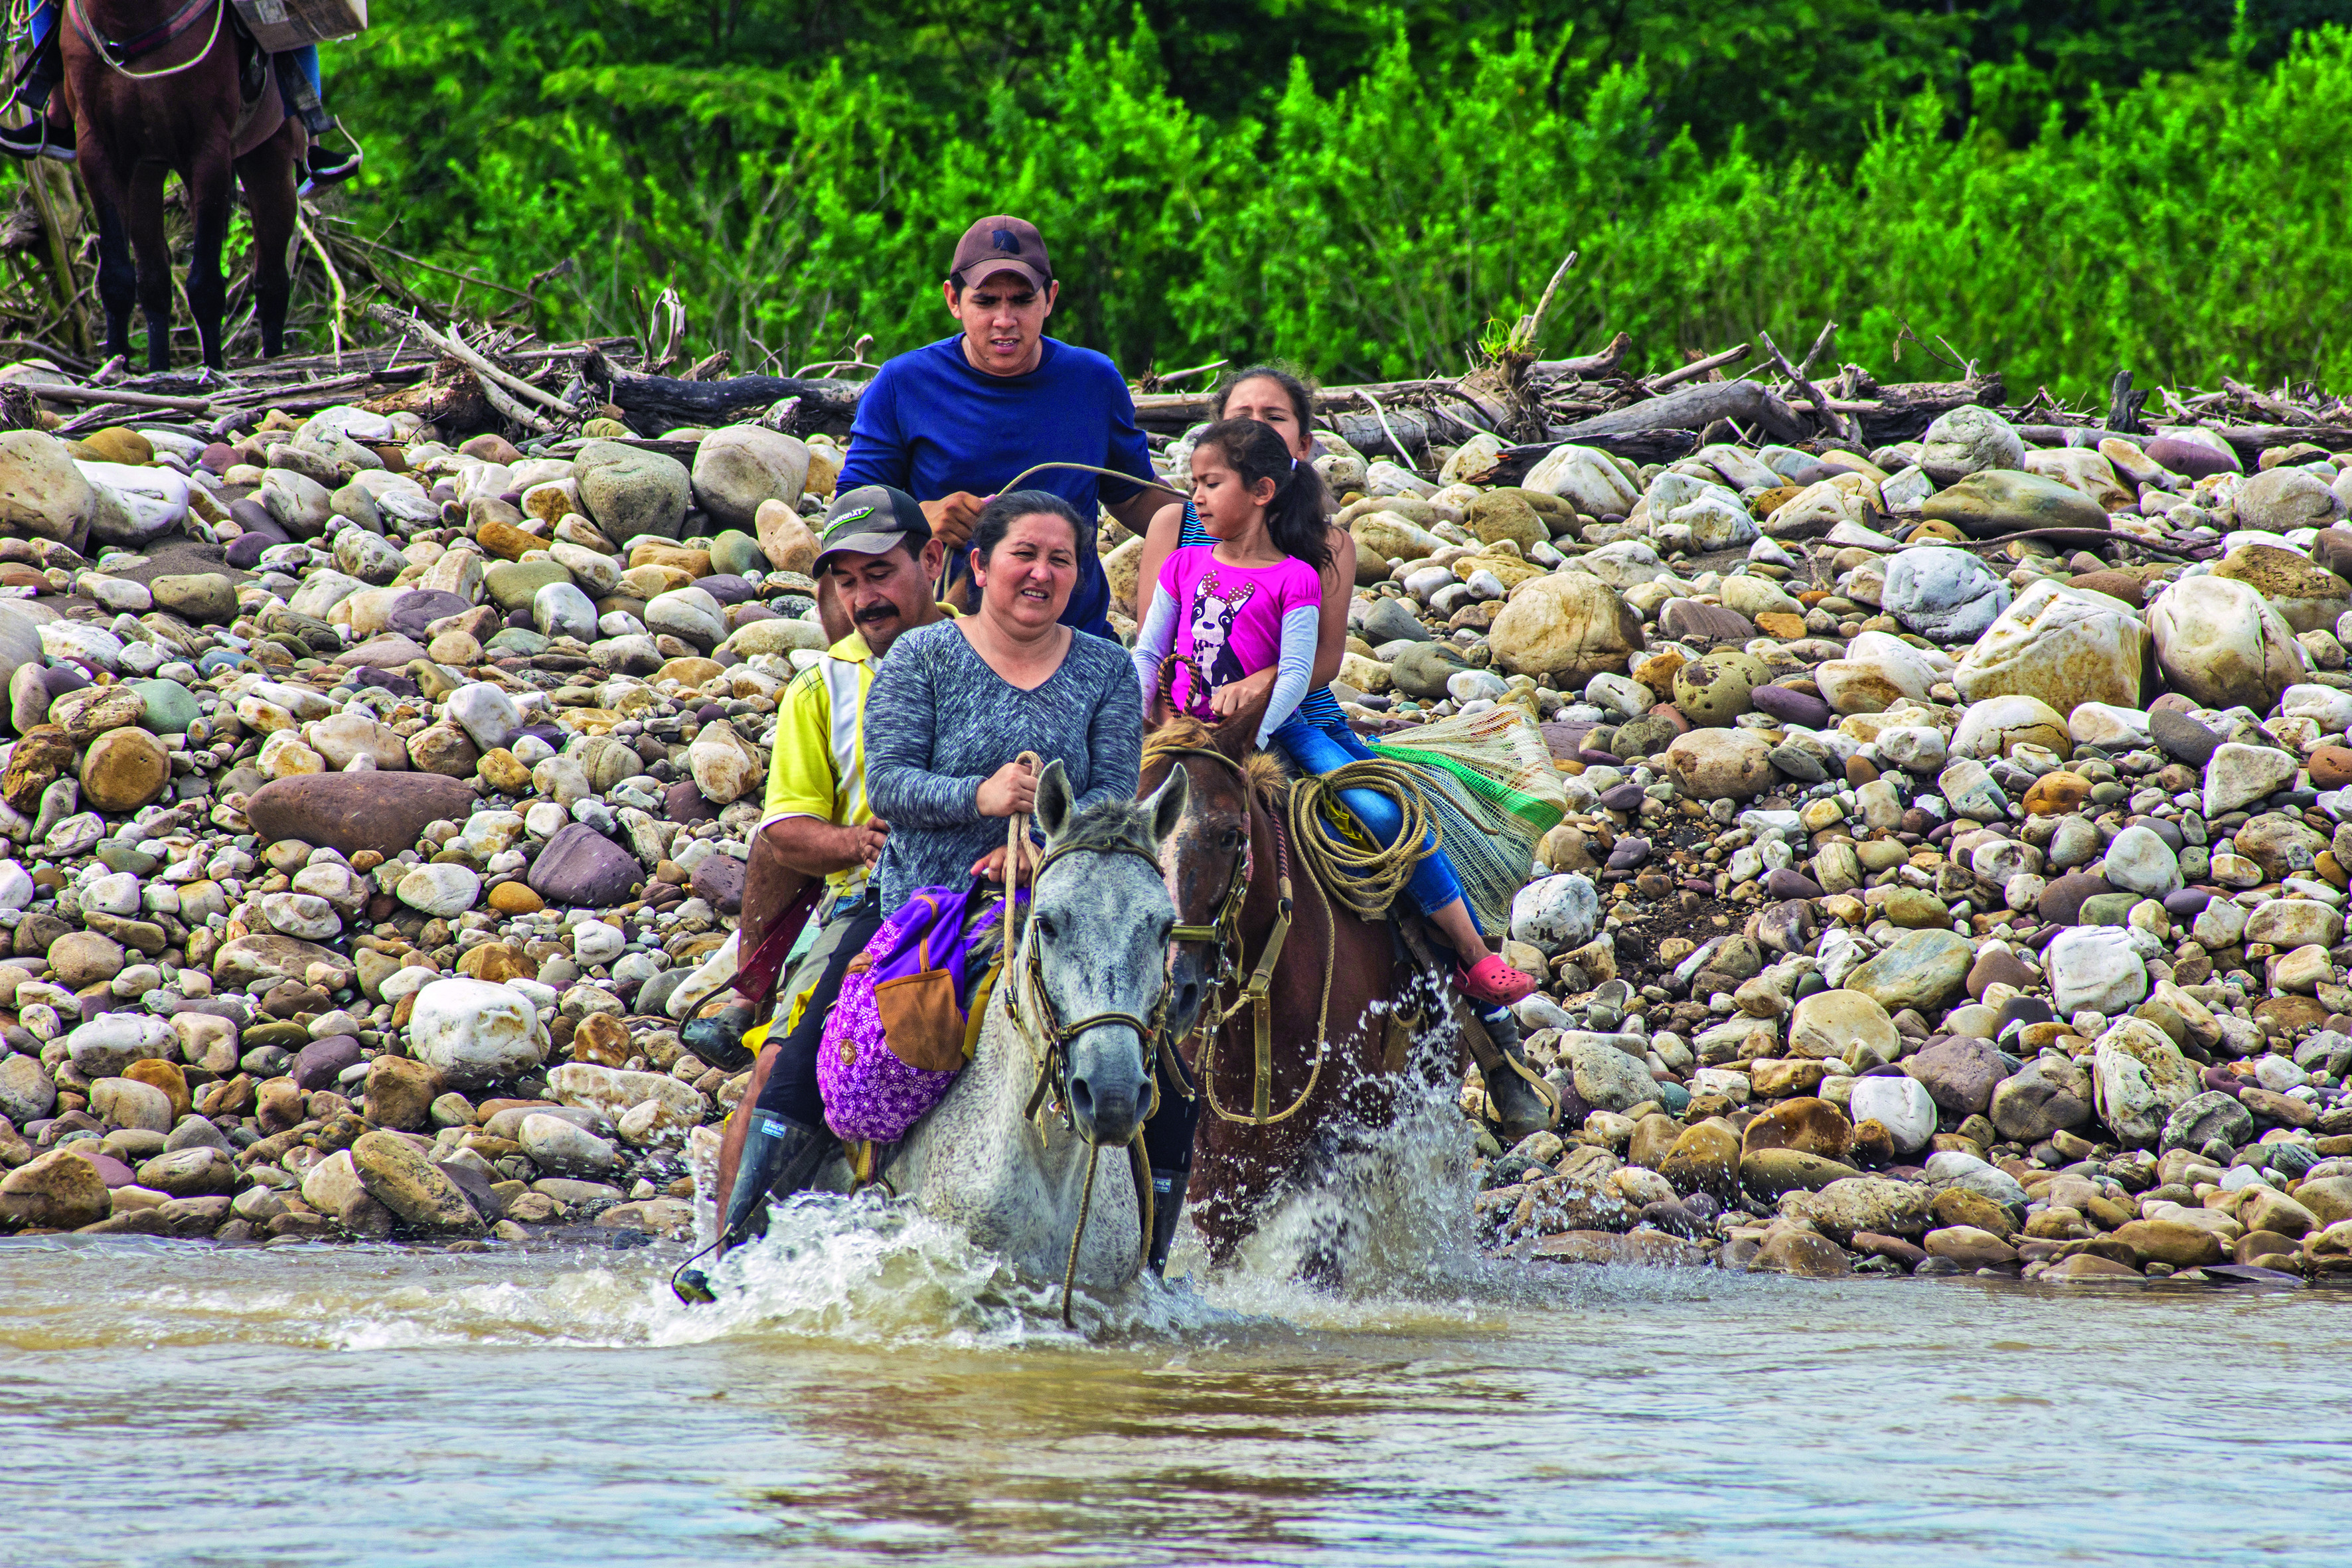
(1167, 804)
(1236, 737)
(1053, 812)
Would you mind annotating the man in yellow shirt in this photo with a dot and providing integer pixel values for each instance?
(878, 556)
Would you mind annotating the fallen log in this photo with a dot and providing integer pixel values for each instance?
(1903, 411)
(1746, 403)
(652, 403)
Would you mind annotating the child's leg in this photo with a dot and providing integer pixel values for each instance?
(1433, 887)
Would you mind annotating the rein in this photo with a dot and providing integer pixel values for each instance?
(179, 21)
(1031, 1013)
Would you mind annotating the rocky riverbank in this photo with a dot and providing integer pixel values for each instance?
(1938, 894)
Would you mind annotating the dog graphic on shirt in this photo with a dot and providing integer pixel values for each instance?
(1214, 663)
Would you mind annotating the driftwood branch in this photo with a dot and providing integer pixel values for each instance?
(52, 393)
(499, 386)
(1830, 423)
(1512, 464)
(1530, 327)
(1695, 369)
(1586, 366)
(2122, 404)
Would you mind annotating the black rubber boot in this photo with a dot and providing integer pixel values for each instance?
(35, 140)
(1517, 1108)
(779, 1157)
(1166, 1209)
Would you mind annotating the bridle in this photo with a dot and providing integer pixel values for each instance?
(115, 56)
(1223, 929)
(1036, 1025)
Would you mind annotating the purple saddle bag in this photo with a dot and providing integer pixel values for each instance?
(896, 1038)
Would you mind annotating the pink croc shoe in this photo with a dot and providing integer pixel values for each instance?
(1493, 981)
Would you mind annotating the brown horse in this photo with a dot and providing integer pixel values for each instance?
(1338, 977)
(153, 86)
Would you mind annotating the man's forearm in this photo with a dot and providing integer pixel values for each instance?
(812, 847)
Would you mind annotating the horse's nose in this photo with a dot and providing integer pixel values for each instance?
(1105, 1114)
(1189, 983)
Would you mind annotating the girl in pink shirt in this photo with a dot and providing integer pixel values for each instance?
(1241, 616)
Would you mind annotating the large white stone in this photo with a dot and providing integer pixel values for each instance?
(612, 1092)
(1944, 593)
(2324, 705)
(1968, 440)
(475, 1034)
(440, 889)
(113, 1041)
(2294, 923)
(1556, 913)
(2221, 644)
(738, 467)
(1995, 727)
(1902, 1105)
(2139, 862)
(2095, 967)
(2138, 1078)
(561, 1148)
(1589, 481)
(135, 505)
(2065, 645)
(724, 766)
(486, 713)
(689, 614)
(2239, 774)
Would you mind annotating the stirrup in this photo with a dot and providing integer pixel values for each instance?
(323, 168)
(33, 141)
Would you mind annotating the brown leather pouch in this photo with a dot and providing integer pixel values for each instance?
(921, 1021)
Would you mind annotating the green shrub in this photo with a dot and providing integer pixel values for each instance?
(2188, 226)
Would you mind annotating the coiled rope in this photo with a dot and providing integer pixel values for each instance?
(1366, 879)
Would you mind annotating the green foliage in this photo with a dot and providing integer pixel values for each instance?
(1365, 191)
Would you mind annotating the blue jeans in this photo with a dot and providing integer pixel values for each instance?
(1317, 750)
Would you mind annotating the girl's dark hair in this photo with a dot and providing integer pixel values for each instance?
(1003, 512)
(1256, 451)
(1294, 387)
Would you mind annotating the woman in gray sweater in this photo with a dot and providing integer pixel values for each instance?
(956, 703)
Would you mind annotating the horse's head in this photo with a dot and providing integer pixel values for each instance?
(1100, 921)
(1206, 860)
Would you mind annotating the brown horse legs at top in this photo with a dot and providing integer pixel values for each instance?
(173, 108)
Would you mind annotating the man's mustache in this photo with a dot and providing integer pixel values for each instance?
(875, 613)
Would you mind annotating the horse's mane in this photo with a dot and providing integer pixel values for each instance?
(1261, 770)
(1110, 825)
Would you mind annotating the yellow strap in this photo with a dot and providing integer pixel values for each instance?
(979, 1013)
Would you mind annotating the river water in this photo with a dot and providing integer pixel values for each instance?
(871, 1391)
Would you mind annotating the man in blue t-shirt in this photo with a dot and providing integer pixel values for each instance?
(953, 422)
